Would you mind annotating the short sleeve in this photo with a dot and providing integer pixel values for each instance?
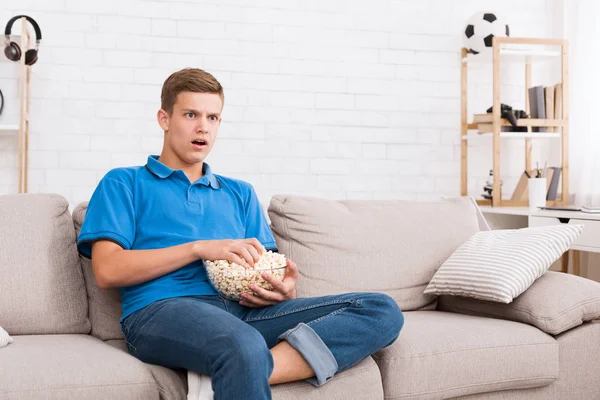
(110, 216)
(256, 223)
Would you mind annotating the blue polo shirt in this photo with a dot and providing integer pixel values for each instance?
(153, 206)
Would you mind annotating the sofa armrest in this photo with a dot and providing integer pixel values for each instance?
(554, 303)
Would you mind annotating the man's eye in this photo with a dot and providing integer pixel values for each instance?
(190, 114)
(213, 117)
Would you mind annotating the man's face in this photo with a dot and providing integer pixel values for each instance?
(193, 125)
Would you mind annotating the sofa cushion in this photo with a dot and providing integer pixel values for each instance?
(362, 381)
(42, 289)
(579, 362)
(555, 303)
(538, 393)
(72, 367)
(171, 384)
(389, 246)
(452, 354)
(104, 304)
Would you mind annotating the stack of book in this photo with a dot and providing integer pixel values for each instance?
(484, 123)
(545, 102)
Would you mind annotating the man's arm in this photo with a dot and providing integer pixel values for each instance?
(115, 267)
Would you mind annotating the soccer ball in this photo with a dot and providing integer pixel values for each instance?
(480, 29)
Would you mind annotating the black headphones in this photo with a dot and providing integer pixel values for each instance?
(13, 51)
(1, 102)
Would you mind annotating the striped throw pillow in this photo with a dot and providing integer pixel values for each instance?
(500, 265)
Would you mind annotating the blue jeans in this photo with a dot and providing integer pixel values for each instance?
(213, 336)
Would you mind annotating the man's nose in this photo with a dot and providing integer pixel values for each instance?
(202, 125)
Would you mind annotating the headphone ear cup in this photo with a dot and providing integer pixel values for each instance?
(30, 57)
(12, 51)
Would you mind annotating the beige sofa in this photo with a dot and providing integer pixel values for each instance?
(68, 343)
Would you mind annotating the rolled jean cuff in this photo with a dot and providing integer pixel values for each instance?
(316, 353)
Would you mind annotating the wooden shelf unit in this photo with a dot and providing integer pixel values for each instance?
(24, 102)
(21, 128)
(526, 57)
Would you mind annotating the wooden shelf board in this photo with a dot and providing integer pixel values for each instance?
(533, 122)
(509, 206)
(540, 122)
(514, 55)
(524, 52)
(518, 135)
(9, 130)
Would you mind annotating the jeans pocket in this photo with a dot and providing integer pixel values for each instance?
(131, 349)
(124, 329)
(130, 323)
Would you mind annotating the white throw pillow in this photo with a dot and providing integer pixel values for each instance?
(500, 265)
(5, 339)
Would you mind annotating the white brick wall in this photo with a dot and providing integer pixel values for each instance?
(332, 98)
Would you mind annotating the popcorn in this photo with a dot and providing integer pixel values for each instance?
(231, 279)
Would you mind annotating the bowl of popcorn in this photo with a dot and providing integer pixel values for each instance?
(231, 279)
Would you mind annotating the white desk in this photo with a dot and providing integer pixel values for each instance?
(518, 217)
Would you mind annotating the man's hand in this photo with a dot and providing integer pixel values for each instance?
(282, 290)
(244, 252)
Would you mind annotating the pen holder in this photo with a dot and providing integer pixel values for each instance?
(537, 193)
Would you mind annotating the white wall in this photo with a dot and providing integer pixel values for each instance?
(341, 99)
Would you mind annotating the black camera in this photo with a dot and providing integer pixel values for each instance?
(511, 115)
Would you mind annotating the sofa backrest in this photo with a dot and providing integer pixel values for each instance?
(104, 304)
(389, 246)
(41, 284)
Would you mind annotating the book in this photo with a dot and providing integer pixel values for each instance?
(521, 190)
(549, 101)
(533, 113)
(553, 188)
(541, 106)
(558, 101)
(549, 176)
(485, 125)
(537, 105)
(487, 117)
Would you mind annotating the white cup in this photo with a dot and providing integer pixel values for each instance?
(537, 193)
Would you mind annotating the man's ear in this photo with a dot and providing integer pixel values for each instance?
(163, 119)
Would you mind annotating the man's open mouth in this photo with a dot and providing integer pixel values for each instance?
(199, 143)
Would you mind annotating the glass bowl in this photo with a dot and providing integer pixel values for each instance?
(231, 280)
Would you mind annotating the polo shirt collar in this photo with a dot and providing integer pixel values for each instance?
(162, 171)
(208, 175)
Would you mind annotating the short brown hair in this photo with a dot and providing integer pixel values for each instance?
(188, 80)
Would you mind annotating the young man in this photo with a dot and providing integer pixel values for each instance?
(147, 230)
